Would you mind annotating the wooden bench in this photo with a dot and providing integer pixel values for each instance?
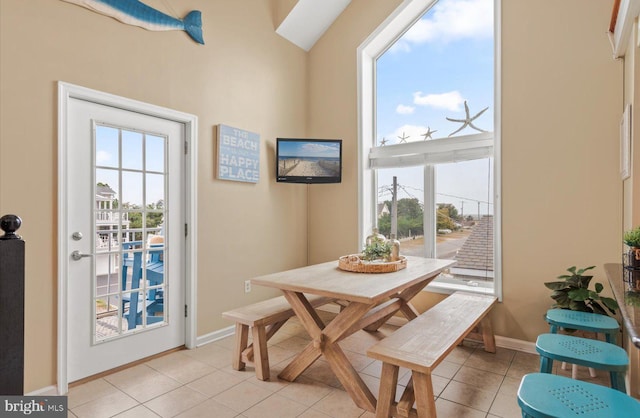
(421, 345)
(265, 319)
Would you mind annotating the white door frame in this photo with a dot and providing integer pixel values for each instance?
(68, 91)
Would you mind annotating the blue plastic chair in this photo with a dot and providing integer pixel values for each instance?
(586, 321)
(549, 395)
(585, 352)
(155, 275)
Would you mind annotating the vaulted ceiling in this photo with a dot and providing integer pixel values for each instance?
(309, 19)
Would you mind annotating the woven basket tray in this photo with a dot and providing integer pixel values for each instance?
(354, 263)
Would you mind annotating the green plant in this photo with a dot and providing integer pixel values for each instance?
(632, 298)
(572, 292)
(632, 237)
(377, 249)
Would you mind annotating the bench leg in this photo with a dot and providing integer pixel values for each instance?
(487, 335)
(242, 338)
(260, 354)
(387, 394)
(405, 404)
(425, 399)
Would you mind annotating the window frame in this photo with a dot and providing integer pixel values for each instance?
(396, 24)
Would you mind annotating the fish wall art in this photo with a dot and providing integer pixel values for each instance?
(134, 12)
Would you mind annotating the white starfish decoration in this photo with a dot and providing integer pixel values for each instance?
(403, 138)
(467, 121)
(383, 142)
(427, 135)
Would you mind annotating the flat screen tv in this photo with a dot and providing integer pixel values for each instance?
(308, 161)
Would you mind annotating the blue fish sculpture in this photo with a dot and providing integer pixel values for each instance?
(134, 12)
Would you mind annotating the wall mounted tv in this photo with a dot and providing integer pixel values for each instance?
(308, 161)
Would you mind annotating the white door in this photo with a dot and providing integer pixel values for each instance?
(125, 231)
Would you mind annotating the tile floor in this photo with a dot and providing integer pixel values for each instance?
(201, 383)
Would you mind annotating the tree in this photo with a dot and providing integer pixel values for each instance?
(448, 217)
(444, 221)
(450, 210)
(384, 224)
(410, 218)
(154, 219)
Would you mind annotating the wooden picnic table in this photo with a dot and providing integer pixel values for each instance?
(371, 299)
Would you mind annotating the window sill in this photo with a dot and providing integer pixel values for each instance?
(450, 285)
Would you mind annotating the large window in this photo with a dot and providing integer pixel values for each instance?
(429, 141)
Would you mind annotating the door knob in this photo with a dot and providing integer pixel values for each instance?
(77, 255)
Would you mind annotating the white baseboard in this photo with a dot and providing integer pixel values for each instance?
(46, 391)
(517, 345)
(215, 336)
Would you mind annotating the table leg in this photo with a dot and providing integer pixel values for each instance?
(325, 341)
(404, 306)
(349, 377)
(406, 295)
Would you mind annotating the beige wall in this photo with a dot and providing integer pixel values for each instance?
(333, 113)
(562, 194)
(561, 101)
(561, 190)
(245, 76)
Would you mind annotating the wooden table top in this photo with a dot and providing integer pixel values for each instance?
(326, 279)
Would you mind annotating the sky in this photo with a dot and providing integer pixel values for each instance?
(133, 178)
(445, 59)
(309, 149)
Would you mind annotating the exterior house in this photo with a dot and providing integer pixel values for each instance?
(383, 209)
(562, 93)
(475, 257)
(108, 220)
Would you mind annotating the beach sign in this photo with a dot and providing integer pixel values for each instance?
(238, 154)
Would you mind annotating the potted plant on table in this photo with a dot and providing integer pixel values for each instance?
(377, 248)
(572, 292)
(632, 239)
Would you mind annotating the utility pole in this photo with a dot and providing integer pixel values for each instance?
(394, 208)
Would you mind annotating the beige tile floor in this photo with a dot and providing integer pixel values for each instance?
(201, 383)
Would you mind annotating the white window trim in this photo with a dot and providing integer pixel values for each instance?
(402, 18)
(435, 151)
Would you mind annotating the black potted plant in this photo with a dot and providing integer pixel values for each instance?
(572, 292)
(632, 239)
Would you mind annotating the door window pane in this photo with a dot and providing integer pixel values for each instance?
(155, 191)
(107, 146)
(131, 150)
(129, 285)
(155, 153)
(132, 189)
